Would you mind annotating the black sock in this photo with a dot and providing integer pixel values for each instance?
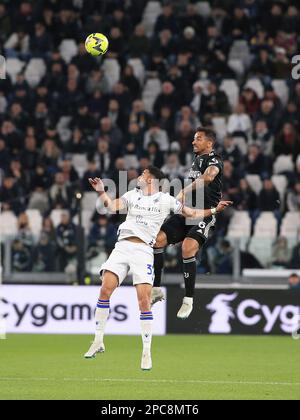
(159, 260)
(189, 272)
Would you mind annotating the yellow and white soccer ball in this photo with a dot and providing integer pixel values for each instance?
(96, 44)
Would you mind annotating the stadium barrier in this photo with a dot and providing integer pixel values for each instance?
(237, 311)
(70, 310)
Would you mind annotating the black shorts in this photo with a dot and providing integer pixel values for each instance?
(177, 230)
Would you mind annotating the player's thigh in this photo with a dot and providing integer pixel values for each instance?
(175, 229)
(190, 247)
(202, 231)
(142, 265)
(118, 262)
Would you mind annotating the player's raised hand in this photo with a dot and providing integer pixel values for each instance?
(223, 205)
(97, 184)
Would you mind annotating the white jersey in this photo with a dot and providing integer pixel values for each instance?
(146, 214)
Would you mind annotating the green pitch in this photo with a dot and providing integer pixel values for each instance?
(185, 367)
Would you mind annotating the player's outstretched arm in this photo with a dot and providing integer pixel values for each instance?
(202, 214)
(205, 179)
(112, 205)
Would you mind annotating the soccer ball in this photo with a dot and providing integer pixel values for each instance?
(96, 44)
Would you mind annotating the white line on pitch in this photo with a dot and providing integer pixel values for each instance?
(191, 381)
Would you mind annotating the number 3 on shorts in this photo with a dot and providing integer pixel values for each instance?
(150, 269)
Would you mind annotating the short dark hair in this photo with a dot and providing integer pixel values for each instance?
(156, 172)
(209, 133)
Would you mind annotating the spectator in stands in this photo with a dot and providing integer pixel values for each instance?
(40, 41)
(139, 45)
(245, 199)
(173, 169)
(92, 171)
(215, 103)
(17, 44)
(263, 137)
(230, 180)
(269, 199)
(268, 114)
(168, 97)
(280, 253)
(262, 66)
(294, 282)
(102, 237)
(166, 121)
(229, 151)
(167, 20)
(66, 241)
(60, 194)
(250, 100)
(287, 142)
(256, 162)
(139, 115)
(293, 198)
(131, 82)
(157, 135)
(239, 123)
(155, 155)
(44, 254)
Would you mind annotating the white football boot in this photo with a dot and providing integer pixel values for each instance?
(146, 363)
(157, 295)
(96, 347)
(186, 308)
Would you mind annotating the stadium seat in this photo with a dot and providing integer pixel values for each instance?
(262, 249)
(138, 69)
(112, 70)
(151, 90)
(257, 86)
(284, 163)
(281, 183)
(241, 143)
(266, 226)
(86, 220)
(89, 201)
(282, 90)
(35, 221)
(290, 226)
(80, 163)
(240, 51)
(35, 71)
(204, 9)
(8, 225)
(240, 225)
(152, 11)
(237, 65)
(255, 183)
(55, 216)
(68, 49)
(220, 126)
(131, 162)
(231, 88)
(13, 67)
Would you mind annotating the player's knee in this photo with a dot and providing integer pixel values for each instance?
(161, 240)
(189, 249)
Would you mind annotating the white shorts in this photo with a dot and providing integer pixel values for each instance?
(131, 258)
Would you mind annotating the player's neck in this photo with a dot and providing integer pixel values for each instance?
(150, 190)
(206, 152)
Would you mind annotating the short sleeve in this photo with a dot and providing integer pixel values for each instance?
(176, 206)
(215, 161)
(126, 198)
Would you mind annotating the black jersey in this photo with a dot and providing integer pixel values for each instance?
(212, 191)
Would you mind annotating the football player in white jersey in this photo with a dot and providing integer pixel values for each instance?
(147, 208)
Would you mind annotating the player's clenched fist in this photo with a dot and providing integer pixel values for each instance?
(97, 184)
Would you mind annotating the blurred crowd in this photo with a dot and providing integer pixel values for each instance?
(110, 126)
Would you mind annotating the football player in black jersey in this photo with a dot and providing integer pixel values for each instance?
(206, 173)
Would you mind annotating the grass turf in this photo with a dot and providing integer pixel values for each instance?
(185, 367)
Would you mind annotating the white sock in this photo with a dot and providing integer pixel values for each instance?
(101, 316)
(146, 327)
